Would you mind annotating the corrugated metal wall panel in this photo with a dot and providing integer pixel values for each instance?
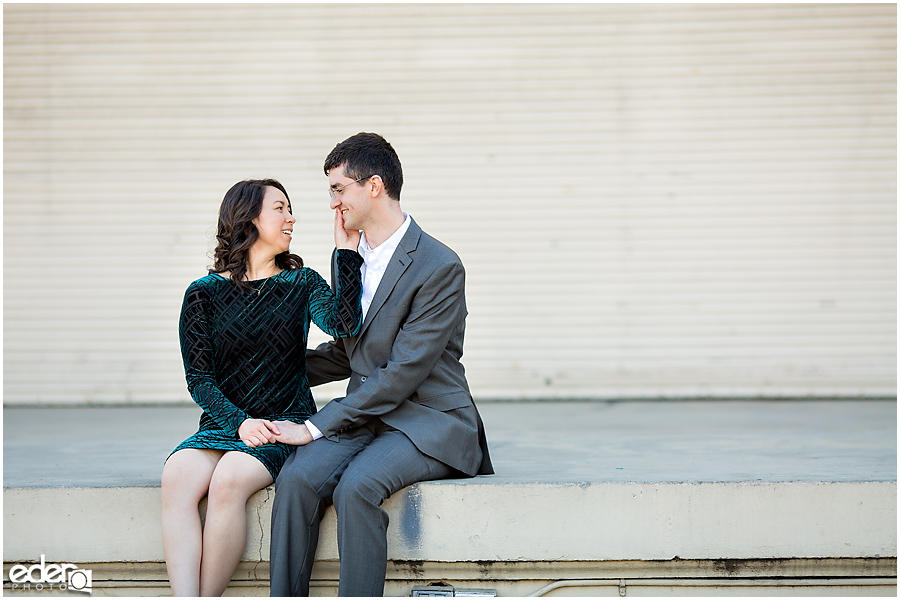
(651, 200)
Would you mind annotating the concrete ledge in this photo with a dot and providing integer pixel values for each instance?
(510, 522)
(783, 499)
(820, 577)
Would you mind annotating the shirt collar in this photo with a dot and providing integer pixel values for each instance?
(387, 247)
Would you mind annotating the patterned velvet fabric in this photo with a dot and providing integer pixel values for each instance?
(244, 351)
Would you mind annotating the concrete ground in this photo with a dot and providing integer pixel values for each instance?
(699, 497)
(531, 442)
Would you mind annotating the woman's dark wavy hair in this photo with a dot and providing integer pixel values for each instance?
(237, 233)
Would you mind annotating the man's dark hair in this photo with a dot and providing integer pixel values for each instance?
(366, 154)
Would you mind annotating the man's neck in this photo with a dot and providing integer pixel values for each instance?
(379, 231)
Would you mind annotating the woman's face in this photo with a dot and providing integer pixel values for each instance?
(275, 222)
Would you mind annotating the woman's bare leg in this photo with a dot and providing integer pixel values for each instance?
(237, 477)
(185, 481)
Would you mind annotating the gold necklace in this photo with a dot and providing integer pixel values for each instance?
(260, 288)
(265, 281)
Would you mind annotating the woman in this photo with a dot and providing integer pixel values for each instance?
(243, 333)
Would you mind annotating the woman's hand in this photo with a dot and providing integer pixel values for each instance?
(256, 432)
(349, 240)
(294, 434)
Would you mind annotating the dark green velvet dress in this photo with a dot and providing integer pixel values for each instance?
(244, 351)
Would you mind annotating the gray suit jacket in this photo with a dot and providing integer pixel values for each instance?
(404, 365)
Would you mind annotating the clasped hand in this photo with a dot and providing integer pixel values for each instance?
(256, 432)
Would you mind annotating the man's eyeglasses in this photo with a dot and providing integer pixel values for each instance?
(339, 189)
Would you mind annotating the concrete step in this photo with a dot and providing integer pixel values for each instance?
(701, 491)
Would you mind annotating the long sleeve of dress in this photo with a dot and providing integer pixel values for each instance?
(198, 354)
(338, 312)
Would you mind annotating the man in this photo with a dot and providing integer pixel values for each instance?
(408, 415)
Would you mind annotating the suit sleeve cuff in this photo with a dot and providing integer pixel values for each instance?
(313, 430)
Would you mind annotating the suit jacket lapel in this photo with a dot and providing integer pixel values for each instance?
(395, 268)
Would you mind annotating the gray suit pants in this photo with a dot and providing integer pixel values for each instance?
(357, 473)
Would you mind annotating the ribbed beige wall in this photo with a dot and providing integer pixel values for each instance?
(651, 200)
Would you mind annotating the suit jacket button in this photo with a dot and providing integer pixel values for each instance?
(362, 378)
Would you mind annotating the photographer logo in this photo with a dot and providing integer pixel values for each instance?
(44, 576)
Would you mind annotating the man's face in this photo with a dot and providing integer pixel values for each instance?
(352, 198)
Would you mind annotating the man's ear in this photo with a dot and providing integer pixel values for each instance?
(377, 185)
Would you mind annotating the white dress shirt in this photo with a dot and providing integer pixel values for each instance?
(375, 261)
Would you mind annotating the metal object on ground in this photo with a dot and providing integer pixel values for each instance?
(438, 589)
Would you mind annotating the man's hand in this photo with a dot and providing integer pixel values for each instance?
(256, 432)
(348, 240)
(294, 434)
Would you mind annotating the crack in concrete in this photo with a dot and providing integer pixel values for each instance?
(262, 534)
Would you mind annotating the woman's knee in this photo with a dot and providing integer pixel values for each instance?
(182, 480)
(235, 480)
